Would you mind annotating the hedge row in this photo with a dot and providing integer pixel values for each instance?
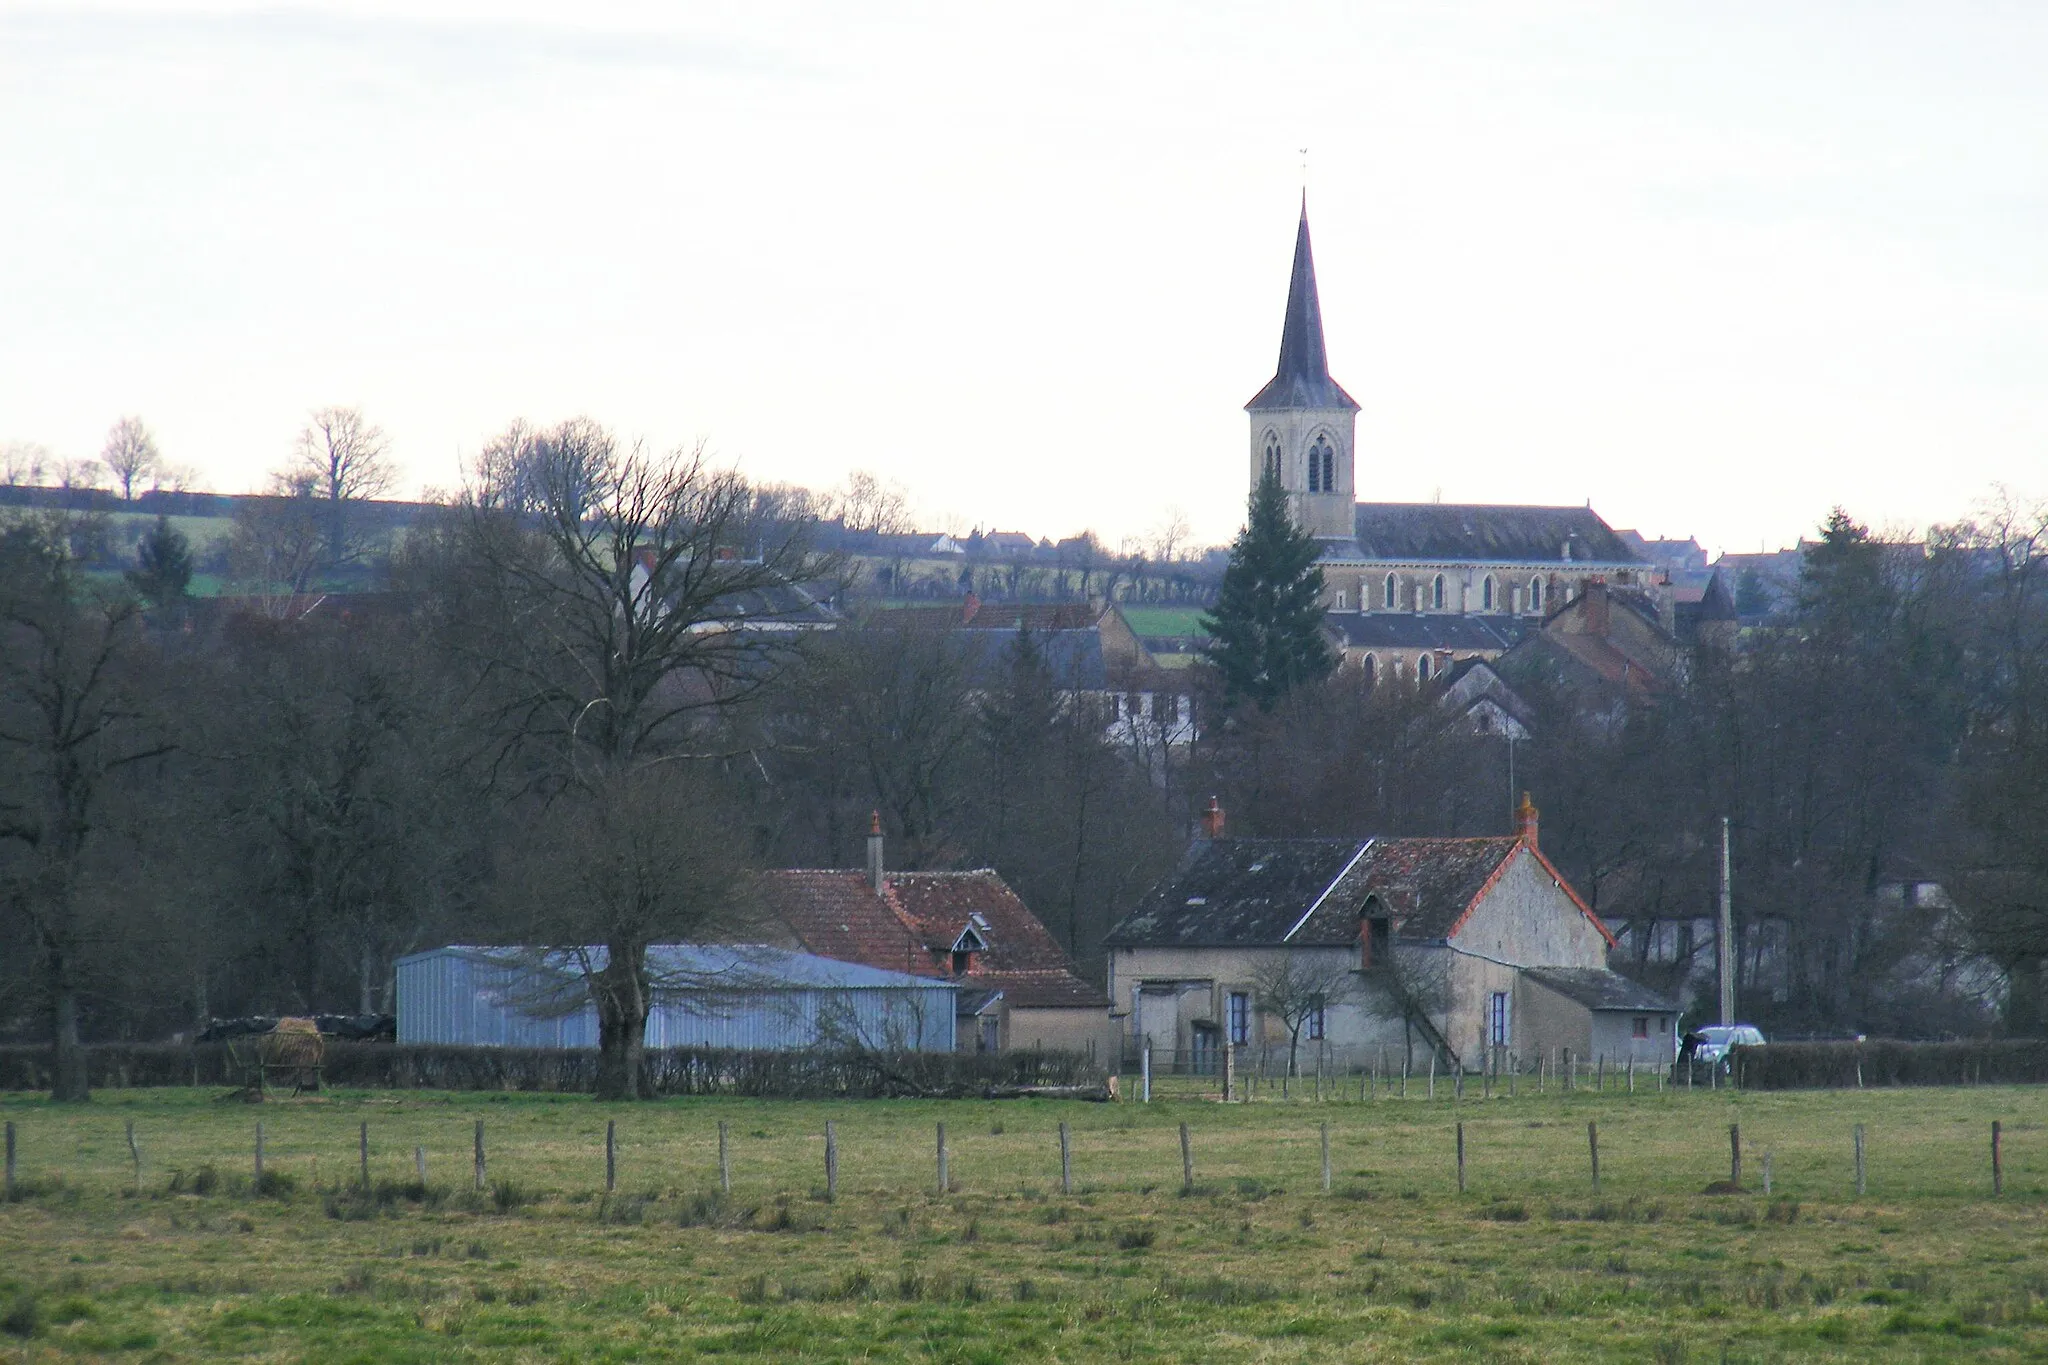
(1880, 1061)
(670, 1071)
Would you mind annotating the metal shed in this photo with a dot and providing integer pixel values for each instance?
(745, 996)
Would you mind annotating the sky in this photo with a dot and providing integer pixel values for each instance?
(1714, 268)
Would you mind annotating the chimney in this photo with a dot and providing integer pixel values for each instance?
(875, 851)
(1599, 618)
(1525, 821)
(1212, 819)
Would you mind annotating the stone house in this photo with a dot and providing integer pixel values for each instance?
(1476, 949)
(1016, 987)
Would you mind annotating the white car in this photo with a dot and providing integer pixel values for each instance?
(1716, 1039)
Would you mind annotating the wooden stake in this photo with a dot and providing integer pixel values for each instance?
(1593, 1149)
(724, 1159)
(1600, 1075)
(831, 1161)
(1997, 1161)
(363, 1153)
(1767, 1173)
(479, 1154)
(1735, 1154)
(611, 1155)
(1432, 1073)
(1229, 1072)
(1860, 1187)
(1326, 1158)
(1146, 1063)
(1631, 1073)
(135, 1154)
(1066, 1159)
(1461, 1158)
(259, 1156)
(945, 1176)
(1187, 1162)
(9, 1191)
(1514, 1075)
(419, 1164)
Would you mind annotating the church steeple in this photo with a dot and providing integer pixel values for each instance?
(1303, 423)
(1302, 379)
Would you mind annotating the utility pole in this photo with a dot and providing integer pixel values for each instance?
(1725, 939)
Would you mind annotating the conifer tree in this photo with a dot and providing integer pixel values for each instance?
(1266, 631)
(163, 565)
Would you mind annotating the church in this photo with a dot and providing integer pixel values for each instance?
(1412, 587)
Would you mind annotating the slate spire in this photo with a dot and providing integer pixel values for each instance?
(1302, 379)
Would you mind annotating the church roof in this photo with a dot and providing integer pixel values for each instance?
(1426, 630)
(1436, 532)
(1302, 378)
(1717, 605)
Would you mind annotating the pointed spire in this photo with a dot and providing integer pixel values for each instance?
(1302, 379)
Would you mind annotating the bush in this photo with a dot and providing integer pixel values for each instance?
(23, 1318)
(1886, 1061)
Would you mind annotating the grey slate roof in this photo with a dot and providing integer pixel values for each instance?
(1262, 892)
(1716, 605)
(1302, 378)
(1427, 630)
(1599, 989)
(1433, 532)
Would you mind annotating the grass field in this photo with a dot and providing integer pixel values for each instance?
(1257, 1263)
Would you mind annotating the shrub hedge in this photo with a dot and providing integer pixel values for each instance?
(669, 1071)
(1886, 1061)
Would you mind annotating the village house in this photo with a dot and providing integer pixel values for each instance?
(1016, 988)
(1354, 950)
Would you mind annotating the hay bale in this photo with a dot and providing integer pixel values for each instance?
(293, 1051)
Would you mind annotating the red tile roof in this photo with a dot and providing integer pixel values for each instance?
(913, 925)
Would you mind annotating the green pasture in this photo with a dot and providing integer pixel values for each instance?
(191, 1259)
(1165, 620)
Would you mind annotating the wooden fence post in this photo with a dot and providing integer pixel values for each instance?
(1860, 1187)
(1432, 1073)
(1326, 1158)
(1229, 1072)
(945, 1176)
(9, 1191)
(479, 1154)
(363, 1152)
(1514, 1075)
(1735, 1154)
(1066, 1159)
(1600, 1075)
(419, 1165)
(1631, 1073)
(135, 1154)
(1593, 1149)
(611, 1155)
(1187, 1162)
(1458, 1082)
(831, 1161)
(1404, 1073)
(1571, 1072)
(724, 1159)
(1997, 1162)
(1767, 1173)
(259, 1156)
(1461, 1158)
(1146, 1063)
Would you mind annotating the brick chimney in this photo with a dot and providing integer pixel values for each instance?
(875, 851)
(1212, 819)
(1599, 611)
(1525, 821)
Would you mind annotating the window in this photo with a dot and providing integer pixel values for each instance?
(1663, 1023)
(1497, 1020)
(1240, 1017)
(1315, 467)
(1272, 470)
(1134, 704)
(1486, 593)
(1374, 935)
(1436, 593)
(1641, 1028)
(1422, 668)
(1535, 594)
(1322, 466)
(1340, 602)
(1313, 1025)
(1165, 708)
(1372, 670)
(1392, 593)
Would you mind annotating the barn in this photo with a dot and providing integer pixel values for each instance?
(744, 996)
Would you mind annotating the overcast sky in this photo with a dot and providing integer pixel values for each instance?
(1714, 267)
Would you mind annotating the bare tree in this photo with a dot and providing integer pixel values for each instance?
(130, 453)
(1169, 538)
(866, 503)
(23, 463)
(1412, 984)
(80, 472)
(615, 625)
(342, 458)
(1297, 990)
(70, 721)
(277, 543)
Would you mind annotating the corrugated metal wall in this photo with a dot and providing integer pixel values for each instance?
(450, 996)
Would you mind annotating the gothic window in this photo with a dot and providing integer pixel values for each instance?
(1536, 594)
(1422, 668)
(1486, 593)
(1372, 669)
(1322, 466)
(1393, 593)
(1272, 470)
(1436, 593)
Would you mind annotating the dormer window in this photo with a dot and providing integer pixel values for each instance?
(972, 939)
(1375, 937)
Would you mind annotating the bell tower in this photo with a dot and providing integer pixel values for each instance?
(1302, 422)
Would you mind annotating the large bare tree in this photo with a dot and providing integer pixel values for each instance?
(71, 721)
(130, 453)
(342, 458)
(623, 603)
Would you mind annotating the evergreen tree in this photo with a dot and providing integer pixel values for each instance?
(1266, 630)
(163, 565)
